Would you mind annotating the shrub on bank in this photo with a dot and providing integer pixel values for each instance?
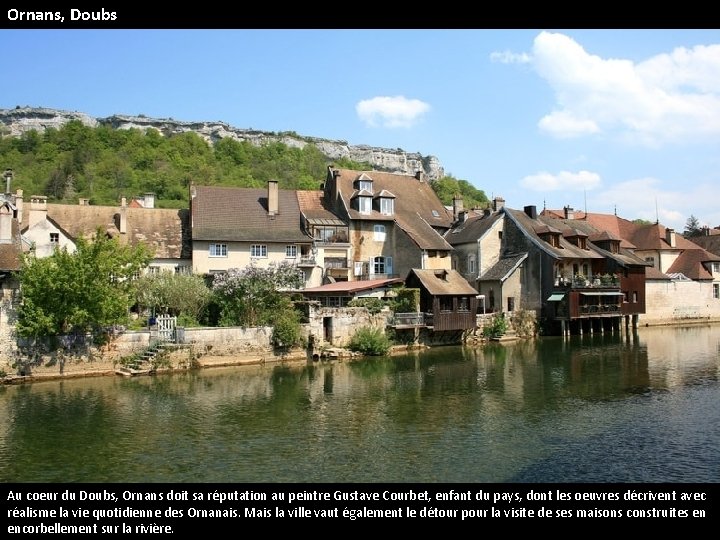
(370, 341)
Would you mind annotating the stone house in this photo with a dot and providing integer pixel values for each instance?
(236, 227)
(476, 237)
(682, 278)
(562, 271)
(395, 222)
(46, 227)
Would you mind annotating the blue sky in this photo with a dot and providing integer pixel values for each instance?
(603, 120)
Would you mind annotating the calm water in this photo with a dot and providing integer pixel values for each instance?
(643, 408)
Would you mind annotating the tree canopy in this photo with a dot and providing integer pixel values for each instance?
(84, 291)
(103, 164)
(448, 186)
(692, 227)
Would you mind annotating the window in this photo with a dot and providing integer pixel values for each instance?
(499, 235)
(218, 250)
(511, 303)
(635, 297)
(387, 206)
(182, 269)
(446, 303)
(382, 265)
(365, 185)
(258, 250)
(290, 252)
(54, 238)
(153, 269)
(471, 264)
(650, 260)
(379, 233)
(716, 290)
(463, 304)
(585, 271)
(435, 213)
(364, 205)
(716, 267)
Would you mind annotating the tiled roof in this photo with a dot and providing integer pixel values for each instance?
(581, 227)
(443, 282)
(165, 231)
(501, 269)
(689, 262)
(709, 243)
(241, 214)
(567, 250)
(10, 252)
(417, 209)
(353, 286)
(313, 208)
(470, 230)
(653, 273)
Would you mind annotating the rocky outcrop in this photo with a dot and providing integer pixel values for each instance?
(19, 120)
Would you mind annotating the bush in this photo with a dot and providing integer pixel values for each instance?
(370, 341)
(373, 305)
(286, 329)
(497, 327)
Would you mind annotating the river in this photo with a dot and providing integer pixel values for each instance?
(640, 407)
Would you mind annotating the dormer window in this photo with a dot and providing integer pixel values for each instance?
(364, 205)
(364, 183)
(387, 206)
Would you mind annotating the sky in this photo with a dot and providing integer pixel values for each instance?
(610, 121)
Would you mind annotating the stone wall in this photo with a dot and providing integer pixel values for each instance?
(672, 302)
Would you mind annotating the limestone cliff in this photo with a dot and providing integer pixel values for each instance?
(16, 121)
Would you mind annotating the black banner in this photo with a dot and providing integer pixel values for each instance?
(122, 509)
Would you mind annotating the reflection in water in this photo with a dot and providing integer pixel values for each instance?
(593, 408)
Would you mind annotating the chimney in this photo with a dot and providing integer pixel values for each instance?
(670, 236)
(123, 216)
(457, 206)
(420, 175)
(84, 202)
(273, 197)
(19, 204)
(569, 212)
(149, 200)
(38, 209)
(8, 179)
(531, 211)
(6, 217)
(498, 203)
(706, 231)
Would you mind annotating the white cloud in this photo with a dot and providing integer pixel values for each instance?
(507, 57)
(667, 98)
(563, 125)
(565, 180)
(648, 198)
(391, 112)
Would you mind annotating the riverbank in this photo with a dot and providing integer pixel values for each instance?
(179, 361)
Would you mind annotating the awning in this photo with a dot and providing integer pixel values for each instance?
(602, 293)
(556, 297)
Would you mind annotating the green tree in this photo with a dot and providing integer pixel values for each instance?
(180, 295)
(692, 227)
(255, 296)
(448, 187)
(84, 291)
